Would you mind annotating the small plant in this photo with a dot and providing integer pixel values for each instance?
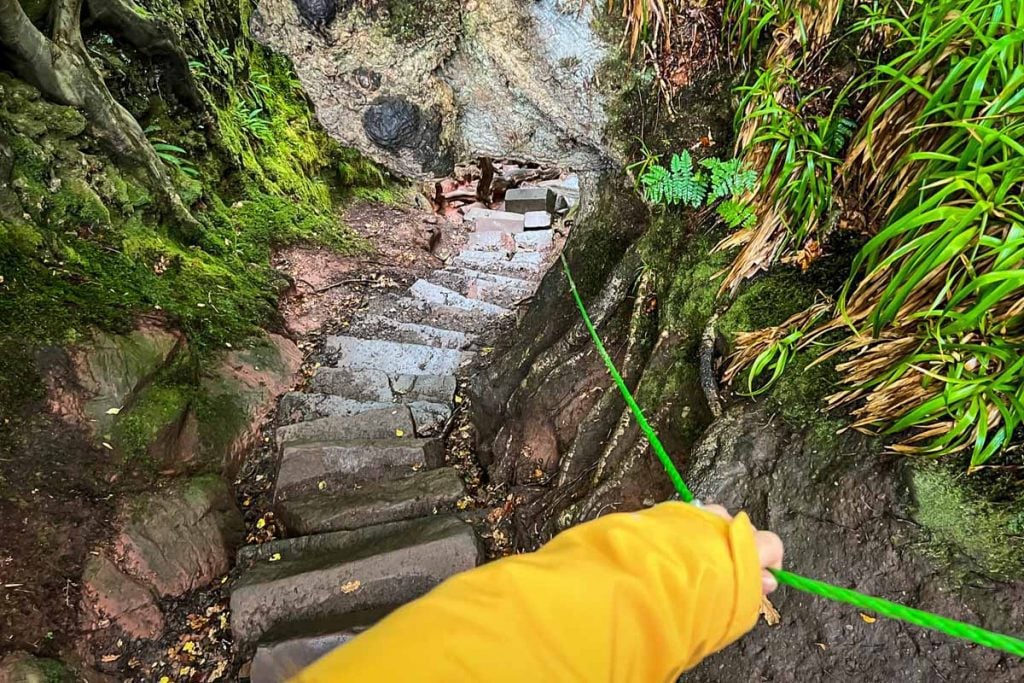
(683, 183)
(251, 120)
(171, 154)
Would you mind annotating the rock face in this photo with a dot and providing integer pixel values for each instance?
(182, 537)
(110, 595)
(416, 85)
(845, 515)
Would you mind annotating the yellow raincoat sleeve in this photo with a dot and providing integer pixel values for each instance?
(637, 596)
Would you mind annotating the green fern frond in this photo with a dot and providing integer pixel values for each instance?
(737, 214)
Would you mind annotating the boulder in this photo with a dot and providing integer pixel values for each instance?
(419, 84)
(238, 394)
(111, 596)
(109, 369)
(179, 538)
(21, 667)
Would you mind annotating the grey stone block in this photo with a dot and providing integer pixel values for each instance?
(305, 467)
(358, 385)
(295, 407)
(417, 495)
(282, 661)
(410, 309)
(537, 220)
(425, 387)
(436, 294)
(341, 579)
(537, 240)
(392, 357)
(526, 265)
(372, 424)
(474, 284)
(526, 199)
(379, 327)
(492, 241)
(488, 221)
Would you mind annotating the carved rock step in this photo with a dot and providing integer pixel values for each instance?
(379, 327)
(428, 418)
(384, 423)
(523, 264)
(410, 309)
(419, 494)
(393, 357)
(379, 386)
(283, 660)
(475, 284)
(436, 294)
(334, 581)
(535, 240)
(307, 467)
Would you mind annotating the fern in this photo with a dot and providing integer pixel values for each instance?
(737, 214)
(170, 154)
(729, 178)
(835, 133)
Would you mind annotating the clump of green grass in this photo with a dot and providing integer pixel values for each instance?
(932, 316)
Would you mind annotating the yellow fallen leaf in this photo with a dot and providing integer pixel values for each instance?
(261, 523)
(106, 659)
(768, 611)
(458, 399)
(275, 557)
(189, 647)
(113, 411)
(351, 587)
(165, 679)
(399, 433)
(868, 619)
(322, 485)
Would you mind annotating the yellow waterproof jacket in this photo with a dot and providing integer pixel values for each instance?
(637, 596)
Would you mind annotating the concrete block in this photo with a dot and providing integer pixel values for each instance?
(526, 199)
(536, 220)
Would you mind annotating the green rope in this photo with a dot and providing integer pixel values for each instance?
(880, 606)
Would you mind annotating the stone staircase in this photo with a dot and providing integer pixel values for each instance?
(362, 489)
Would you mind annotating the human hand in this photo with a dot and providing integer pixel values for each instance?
(769, 549)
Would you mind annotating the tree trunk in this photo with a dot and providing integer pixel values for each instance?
(63, 72)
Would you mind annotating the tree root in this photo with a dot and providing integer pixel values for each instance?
(708, 379)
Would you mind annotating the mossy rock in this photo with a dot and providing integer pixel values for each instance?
(962, 522)
(21, 667)
(155, 429)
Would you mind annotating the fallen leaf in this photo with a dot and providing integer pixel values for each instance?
(113, 411)
(108, 446)
(261, 523)
(768, 611)
(399, 433)
(351, 587)
(458, 399)
(106, 659)
(322, 485)
(189, 647)
(276, 557)
(218, 671)
(868, 619)
(165, 679)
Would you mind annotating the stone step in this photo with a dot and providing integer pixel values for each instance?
(419, 494)
(383, 423)
(489, 220)
(283, 660)
(436, 294)
(379, 327)
(335, 581)
(341, 464)
(526, 265)
(535, 240)
(378, 386)
(392, 357)
(427, 417)
(496, 289)
(411, 309)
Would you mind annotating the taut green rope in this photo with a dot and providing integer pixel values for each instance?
(885, 608)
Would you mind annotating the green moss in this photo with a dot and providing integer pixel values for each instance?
(987, 533)
(411, 20)
(158, 407)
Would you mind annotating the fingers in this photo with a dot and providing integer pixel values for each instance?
(769, 546)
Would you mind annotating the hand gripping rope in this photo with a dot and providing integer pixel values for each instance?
(885, 608)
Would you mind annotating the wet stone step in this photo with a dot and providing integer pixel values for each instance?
(392, 357)
(384, 423)
(496, 289)
(537, 240)
(342, 464)
(419, 494)
(378, 386)
(379, 327)
(529, 265)
(410, 309)
(282, 660)
(427, 417)
(436, 294)
(328, 580)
